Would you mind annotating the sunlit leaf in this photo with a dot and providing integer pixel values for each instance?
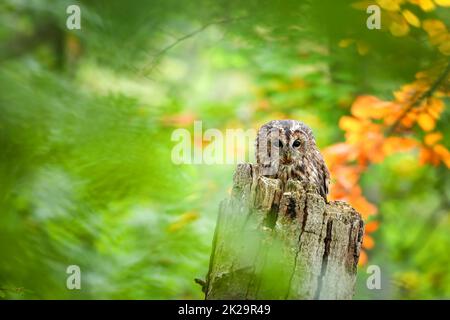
(399, 28)
(349, 123)
(443, 3)
(443, 153)
(371, 107)
(425, 5)
(426, 122)
(432, 138)
(390, 5)
(411, 18)
(434, 27)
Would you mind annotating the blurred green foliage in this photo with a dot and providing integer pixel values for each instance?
(86, 118)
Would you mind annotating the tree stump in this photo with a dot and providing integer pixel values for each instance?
(271, 243)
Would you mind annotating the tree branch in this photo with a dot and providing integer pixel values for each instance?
(424, 96)
(160, 53)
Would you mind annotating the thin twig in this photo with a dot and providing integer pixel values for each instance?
(160, 53)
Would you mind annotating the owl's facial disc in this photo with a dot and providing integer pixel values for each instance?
(292, 150)
(286, 153)
(287, 146)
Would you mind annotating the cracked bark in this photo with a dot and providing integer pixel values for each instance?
(271, 243)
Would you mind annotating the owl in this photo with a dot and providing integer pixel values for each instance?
(286, 149)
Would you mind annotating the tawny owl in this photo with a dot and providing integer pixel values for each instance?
(286, 149)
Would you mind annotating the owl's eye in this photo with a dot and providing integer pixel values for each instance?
(280, 144)
(296, 144)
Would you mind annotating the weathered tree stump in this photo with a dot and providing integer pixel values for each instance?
(282, 244)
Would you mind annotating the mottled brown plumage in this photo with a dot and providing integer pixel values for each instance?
(286, 149)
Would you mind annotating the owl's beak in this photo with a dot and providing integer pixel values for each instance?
(286, 157)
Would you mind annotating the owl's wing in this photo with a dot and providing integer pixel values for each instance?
(324, 176)
(324, 189)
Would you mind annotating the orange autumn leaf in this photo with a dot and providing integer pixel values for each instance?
(262, 104)
(435, 107)
(337, 192)
(366, 142)
(427, 155)
(432, 138)
(443, 153)
(339, 153)
(362, 258)
(426, 122)
(339, 149)
(361, 131)
(398, 144)
(179, 120)
(347, 123)
(434, 154)
(370, 107)
(346, 176)
(372, 226)
(364, 207)
(368, 242)
(409, 92)
(409, 119)
(375, 156)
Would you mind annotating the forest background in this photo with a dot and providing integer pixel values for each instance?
(86, 118)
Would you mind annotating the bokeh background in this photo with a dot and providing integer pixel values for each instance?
(86, 118)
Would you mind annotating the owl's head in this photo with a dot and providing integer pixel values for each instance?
(283, 142)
